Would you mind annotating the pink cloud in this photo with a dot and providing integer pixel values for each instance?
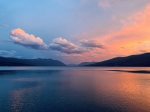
(21, 37)
(104, 4)
(132, 38)
(63, 45)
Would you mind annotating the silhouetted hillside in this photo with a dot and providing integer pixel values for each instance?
(4, 61)
(142, 60)
(86, 63)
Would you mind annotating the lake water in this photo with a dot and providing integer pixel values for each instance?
(73, 89)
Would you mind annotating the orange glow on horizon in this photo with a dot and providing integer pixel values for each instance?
(132, 38)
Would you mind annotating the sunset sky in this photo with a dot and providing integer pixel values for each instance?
(74, 31)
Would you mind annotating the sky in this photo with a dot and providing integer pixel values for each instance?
(74, 31)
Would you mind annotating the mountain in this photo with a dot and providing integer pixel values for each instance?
(5, 61)
(86, 63)
(141, 60)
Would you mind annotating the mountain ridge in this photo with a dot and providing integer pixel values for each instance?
(139, 60)
(11, 61)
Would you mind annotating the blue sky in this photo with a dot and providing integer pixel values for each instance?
(72, 20)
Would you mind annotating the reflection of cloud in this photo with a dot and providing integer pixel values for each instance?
(65, 46)
(19, 36)
(123, 91)
(20, 95)
(122, 88)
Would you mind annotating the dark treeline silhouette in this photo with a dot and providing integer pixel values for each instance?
(141, 60)
(5, 61)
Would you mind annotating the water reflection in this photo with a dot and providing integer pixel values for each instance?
(123, 91)
(74, 91)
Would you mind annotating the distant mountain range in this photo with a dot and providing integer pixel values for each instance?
(141, 60)
(5, 61)
(86, 63)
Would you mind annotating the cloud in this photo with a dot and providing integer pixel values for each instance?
(104, 4)
(65, 46)
(133, 37)
(61, 44)
(6, 53)
(21, 37)
(4, 26)
(91, 44)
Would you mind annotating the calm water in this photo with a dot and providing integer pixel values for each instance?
(30, 89)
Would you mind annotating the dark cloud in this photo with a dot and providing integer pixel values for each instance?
(91, 44)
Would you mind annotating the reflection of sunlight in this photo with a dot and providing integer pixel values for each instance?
(131, 88)
(18, 100)
(135, 86)
(110, 89)
(21, 97)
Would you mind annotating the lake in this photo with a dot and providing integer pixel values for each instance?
(74, 89)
